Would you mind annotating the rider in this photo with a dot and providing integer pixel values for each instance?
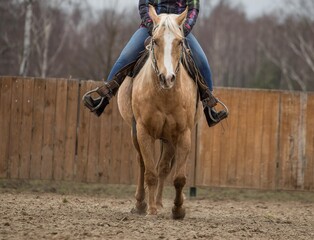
(136, 45)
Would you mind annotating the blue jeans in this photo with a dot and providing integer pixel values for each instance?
(136, 45)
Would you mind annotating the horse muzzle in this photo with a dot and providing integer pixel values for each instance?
(167, 82)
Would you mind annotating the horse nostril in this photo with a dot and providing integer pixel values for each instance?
(162, 77)
(173, 78)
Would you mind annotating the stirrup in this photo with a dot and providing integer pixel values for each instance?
(95, 105)
(226, 111)
(219, 116)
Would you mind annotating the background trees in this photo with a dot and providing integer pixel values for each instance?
(66, 38)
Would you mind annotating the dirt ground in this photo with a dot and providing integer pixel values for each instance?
(58, 215)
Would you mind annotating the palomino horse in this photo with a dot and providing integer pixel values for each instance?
(161, 103)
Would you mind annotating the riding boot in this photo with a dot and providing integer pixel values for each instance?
(209, 102)
(110, 88)
(105, 92)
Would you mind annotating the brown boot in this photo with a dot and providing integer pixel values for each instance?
(105, 92)
(212, 116)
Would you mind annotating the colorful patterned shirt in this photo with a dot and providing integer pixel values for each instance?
(170, 6)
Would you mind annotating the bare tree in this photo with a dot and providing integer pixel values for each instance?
(295, 54)
(27, 37)
(102, 41)
(51, 22)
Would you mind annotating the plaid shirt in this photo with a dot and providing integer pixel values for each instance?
(170, 6)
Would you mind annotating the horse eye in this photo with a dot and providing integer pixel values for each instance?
(180, 42)
(156, 42)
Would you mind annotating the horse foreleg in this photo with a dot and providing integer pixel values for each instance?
(146, 144)
(163, 168)
(141, 206)
(183, 150)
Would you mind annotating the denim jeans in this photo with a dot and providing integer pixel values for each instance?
(136, 45)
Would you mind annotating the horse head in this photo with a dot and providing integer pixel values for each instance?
(167, 46)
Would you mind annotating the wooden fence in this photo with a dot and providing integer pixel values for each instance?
(46, 133)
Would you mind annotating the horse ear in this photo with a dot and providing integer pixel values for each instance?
(153, 15)
(180, 19)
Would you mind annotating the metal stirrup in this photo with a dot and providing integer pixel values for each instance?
(210, 112)
(86, 95)
(224, 106)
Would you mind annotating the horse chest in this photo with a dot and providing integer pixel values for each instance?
(162, 124)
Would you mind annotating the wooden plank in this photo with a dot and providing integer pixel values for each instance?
(211, 159)
(200, 158)
(269, 140)
(240, 140)
(15, 127)
(206, 146)
(252, 142)
(309, 154)
(49, 129)
(60, 129)
(258, 133)
(215, 147)
(26, 129)
(288, 151)
(228, 147)
(5, 121)
(105, 144)
(94, 144)
(116, 145)
(249, 143)
(301, 142)
(37, 128)
(124, 173)
(83, 139)
(73, 101)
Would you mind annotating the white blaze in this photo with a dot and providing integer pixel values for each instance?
(168, 37)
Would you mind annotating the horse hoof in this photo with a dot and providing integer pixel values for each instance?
(152, 211)
(178, 213)
(140, 208)
(160, 206)
(138, 211)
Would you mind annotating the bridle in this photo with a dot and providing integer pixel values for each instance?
(154, 60)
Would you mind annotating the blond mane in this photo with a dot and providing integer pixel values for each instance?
(168, 21)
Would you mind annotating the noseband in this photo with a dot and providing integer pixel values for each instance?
(154, 60)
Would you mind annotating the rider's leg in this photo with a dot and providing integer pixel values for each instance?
(128, 55)
(207, 98)
(200, 60)
(130, 52)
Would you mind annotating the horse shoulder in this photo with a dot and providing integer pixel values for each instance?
(124, 99)
(191, 95)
